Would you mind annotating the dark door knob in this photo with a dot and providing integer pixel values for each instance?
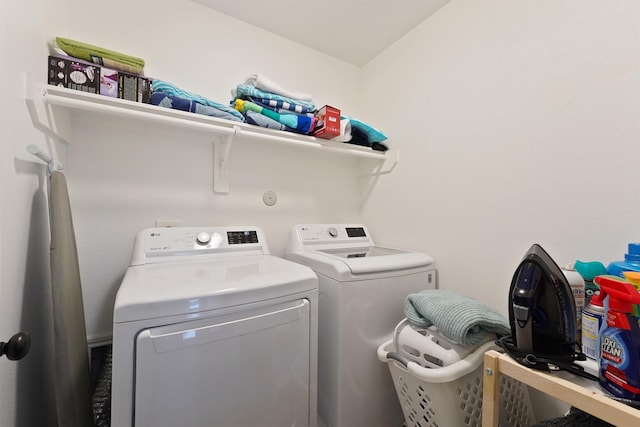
(17, 347)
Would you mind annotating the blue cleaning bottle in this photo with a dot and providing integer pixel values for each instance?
(631, 261)
(619, 372)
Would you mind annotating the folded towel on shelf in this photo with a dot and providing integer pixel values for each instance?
(244, 91)
(345, 131)
(372, 134)
(282, 106)
(263, 121)
(359, 137)
(183, 104)
(261, 82)
(300, 123)
(170, 89)
(99, 55)
(460, 318)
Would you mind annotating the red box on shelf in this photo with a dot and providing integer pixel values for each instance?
(328, 125)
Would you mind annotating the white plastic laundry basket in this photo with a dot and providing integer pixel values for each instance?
(451, 396)
(428, 347)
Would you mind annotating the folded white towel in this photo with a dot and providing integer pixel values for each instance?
(261, 82)
(345, 131)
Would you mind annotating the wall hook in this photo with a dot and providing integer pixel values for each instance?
(52, 164)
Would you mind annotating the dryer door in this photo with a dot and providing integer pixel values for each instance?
(250, 368)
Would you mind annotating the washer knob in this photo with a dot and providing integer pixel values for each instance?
(333, 232)
(203, 238)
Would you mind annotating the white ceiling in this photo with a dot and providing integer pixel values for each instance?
(354, 31)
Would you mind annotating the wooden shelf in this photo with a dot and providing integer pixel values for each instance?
(591, 401)
(223, 132)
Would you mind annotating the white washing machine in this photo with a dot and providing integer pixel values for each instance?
(211, 330)
(362, 288)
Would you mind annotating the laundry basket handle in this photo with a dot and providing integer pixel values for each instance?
(398, 358)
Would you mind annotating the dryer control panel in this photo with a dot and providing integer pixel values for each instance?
(165, 244)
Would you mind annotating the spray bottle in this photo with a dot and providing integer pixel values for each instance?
(592, 316)
(620, 340)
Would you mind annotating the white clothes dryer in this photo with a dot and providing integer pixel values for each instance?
(211, 330)
(362, 288)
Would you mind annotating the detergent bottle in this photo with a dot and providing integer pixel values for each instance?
(619, 372)
(631, 261)
(633, 277)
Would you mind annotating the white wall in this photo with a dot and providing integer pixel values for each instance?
(517, 123)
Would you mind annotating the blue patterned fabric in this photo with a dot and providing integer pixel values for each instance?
(281, 106)
(247, 91)
(170, 89)
(302, 124)
(261, 120)
(183, 104)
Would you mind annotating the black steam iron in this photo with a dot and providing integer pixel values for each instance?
(542, 315)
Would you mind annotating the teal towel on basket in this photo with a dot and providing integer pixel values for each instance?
(460, 318)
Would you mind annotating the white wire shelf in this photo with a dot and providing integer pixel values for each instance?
(104, 104)
(225, 131)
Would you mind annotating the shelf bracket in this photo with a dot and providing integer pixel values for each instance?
(385, 167)
(33, 111)
(221, 161)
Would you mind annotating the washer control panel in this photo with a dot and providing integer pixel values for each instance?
(156, 243)
(332, 233)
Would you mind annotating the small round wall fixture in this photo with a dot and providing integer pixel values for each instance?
(269, 198)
